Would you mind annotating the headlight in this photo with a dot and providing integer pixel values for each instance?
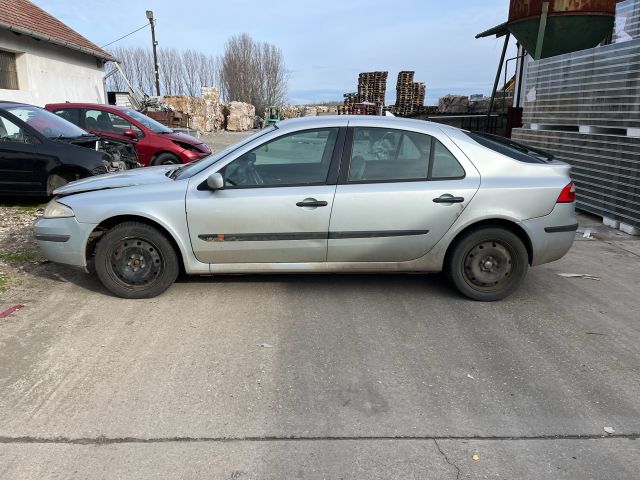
(56, 209)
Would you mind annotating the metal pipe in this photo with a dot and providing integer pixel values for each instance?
(495, 84)
(542, 28)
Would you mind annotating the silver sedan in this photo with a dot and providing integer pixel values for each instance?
(323, 194)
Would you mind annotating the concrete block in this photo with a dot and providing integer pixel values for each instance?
(610, 222)
(629, 229)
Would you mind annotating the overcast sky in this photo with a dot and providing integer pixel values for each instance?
(325, 43)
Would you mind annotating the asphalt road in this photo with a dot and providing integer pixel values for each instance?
(337, 377)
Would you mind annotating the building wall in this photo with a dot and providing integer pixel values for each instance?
(50, 73)
(584, 107)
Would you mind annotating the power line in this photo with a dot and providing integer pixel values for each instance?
(125, 36)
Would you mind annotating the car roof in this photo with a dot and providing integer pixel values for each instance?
(85, 105)
(358, 120)
(7, 103)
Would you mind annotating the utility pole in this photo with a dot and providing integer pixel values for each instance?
(155, 53)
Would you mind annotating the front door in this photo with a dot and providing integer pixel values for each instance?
(275, 206)
(397, 196)
(18, 159)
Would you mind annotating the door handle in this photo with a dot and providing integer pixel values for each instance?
(447, 198)
(311, 202)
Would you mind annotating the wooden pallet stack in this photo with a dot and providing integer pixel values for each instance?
(350, 100)
(410, 95)
(372, 87)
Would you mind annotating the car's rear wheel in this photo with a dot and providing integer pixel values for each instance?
(488, 264)
(166, 159)
(135, 260)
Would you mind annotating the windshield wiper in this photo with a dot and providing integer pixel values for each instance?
(64, 137)
(172, 174)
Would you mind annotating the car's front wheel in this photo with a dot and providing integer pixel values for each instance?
(135, 260)
(488, 264)
(166, 159)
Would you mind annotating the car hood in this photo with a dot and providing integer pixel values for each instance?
(182, 137)
(128, 178)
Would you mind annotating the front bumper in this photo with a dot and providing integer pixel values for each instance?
(552, 235)
(63, 240)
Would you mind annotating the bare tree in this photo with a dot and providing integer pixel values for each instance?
(190, 60)
(252, 72)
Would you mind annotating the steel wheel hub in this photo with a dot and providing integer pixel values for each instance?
(488, 264)
(136, 261)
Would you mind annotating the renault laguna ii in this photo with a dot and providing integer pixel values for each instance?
(325, 194)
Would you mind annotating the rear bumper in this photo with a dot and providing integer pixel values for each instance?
(63, 240)
(552, 235)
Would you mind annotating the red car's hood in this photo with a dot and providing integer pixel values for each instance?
(183, 137)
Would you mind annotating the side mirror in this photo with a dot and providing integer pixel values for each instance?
(215, 181)
(131, 134)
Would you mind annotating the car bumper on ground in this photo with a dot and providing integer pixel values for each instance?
(552, 235)
(63, 240)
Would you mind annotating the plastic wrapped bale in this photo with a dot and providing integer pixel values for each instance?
(453, 104)
(240, 116)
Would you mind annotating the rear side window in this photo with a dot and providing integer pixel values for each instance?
(388, 155)
(380, 154)
(511, 149)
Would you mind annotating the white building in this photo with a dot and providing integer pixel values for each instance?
(44, 61)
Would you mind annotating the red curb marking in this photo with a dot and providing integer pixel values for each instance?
(9, 311)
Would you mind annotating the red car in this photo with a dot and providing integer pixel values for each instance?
(155, 143)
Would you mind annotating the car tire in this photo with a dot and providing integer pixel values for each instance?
(166, 159)
(135, 260)
(488, 264)
(57, 180)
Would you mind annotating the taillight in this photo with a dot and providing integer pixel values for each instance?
(568, 194)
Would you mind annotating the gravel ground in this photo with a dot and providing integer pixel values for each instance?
(18, 249)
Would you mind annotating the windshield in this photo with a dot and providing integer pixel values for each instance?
(189, 170)
(150, 123)
(45, 122)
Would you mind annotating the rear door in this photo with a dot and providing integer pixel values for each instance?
(398, 193)
(18, 158)
(275, 206)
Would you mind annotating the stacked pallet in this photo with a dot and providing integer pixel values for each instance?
(350, 100)
(372, 88)
(410, 95)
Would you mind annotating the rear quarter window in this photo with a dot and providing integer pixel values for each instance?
(511, 149)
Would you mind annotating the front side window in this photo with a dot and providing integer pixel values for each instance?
(108, 122)
(8, 71)
(380, 154)
(300, 158)
(12, 133)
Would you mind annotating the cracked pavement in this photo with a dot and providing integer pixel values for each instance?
(363, 376)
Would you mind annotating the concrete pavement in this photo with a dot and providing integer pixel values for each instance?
(363, 376)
